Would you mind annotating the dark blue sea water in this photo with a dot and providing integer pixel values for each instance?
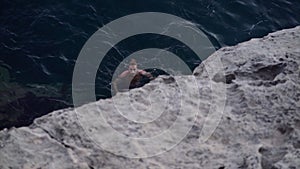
(40, 41)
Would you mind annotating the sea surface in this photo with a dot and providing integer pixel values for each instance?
(40, 41)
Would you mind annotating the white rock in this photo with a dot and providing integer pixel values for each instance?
(260, 126)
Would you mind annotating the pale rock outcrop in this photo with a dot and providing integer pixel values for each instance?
(260, 125)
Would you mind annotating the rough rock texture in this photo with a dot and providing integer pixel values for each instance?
(259, 129)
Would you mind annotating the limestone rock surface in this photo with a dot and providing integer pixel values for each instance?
(259, 126)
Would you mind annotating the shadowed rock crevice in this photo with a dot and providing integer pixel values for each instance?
(257, 72)
(270, 156)
(57, 140)
(263, 72)
(228, 78)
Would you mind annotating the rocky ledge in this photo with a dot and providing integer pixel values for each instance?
(259, 127)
